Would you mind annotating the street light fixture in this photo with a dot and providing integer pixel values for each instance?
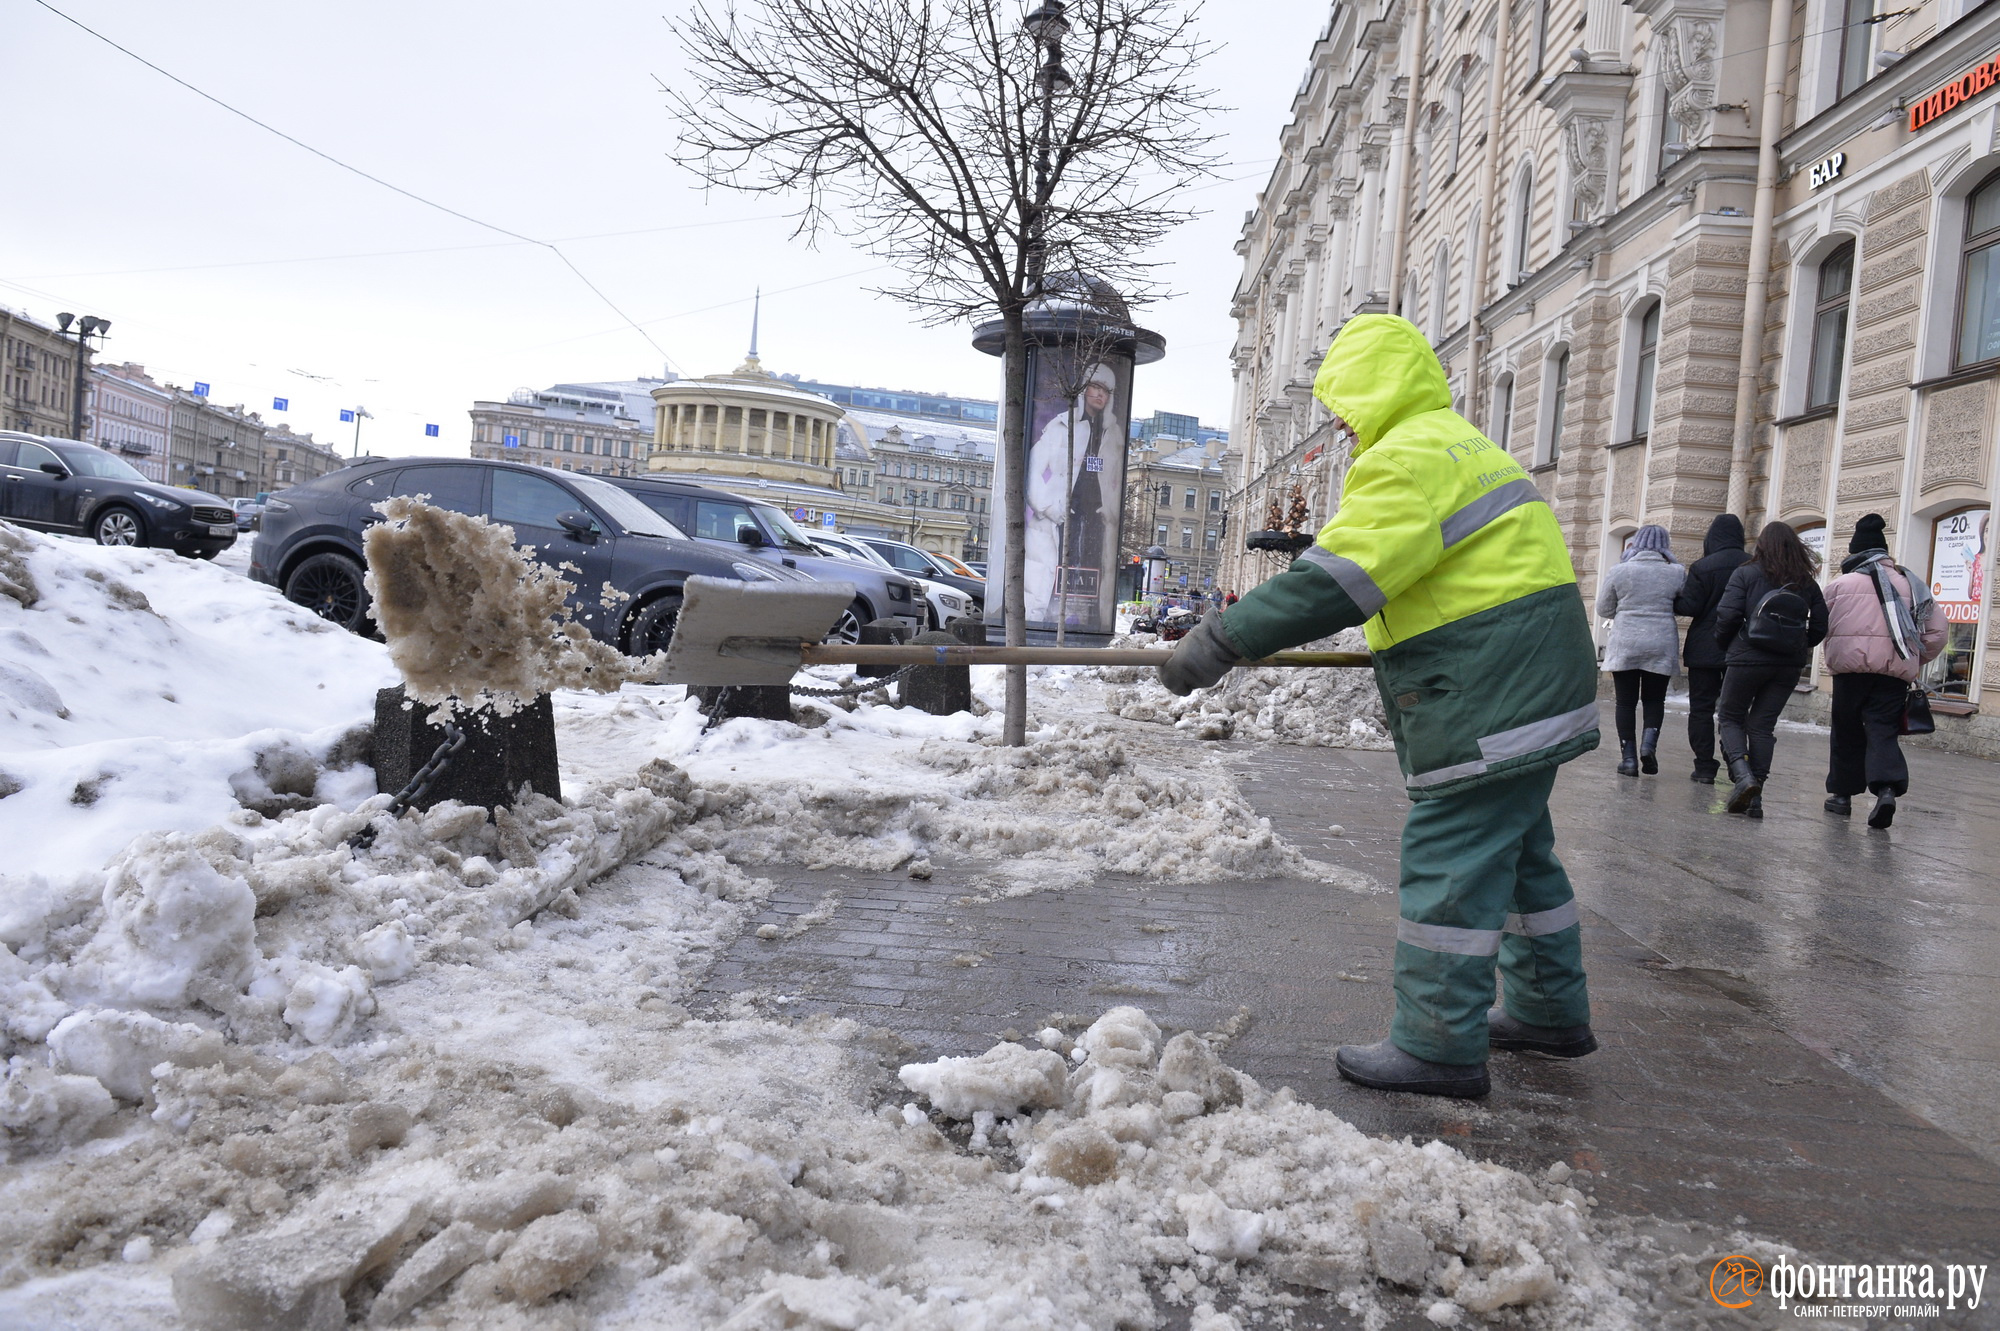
(87, 327)
(1046, 27)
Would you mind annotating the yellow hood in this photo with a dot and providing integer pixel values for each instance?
(1378, 373)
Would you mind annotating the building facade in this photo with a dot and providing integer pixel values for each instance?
(129, 414)
(215, 448)
(1569, 206)
(1179, 501)
(294, 459)
(936, 477)
(591, 428)
(39, 377)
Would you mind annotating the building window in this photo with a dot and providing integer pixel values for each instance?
(1558, 403)
(1210, 539)
(1187, 538)
(1215, 501)
(1188, 502)
(1166, 496)
(1829, 337)
(1503, 411)
(1440, 290)
(1857, 43)
(1642, 379)
(1160, 534)
(1522, 223)
(1979, 298)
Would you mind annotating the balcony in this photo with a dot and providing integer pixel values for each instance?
(138, 448)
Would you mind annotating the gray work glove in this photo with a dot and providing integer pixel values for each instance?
(1200, 659)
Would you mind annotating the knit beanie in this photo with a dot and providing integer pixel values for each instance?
(1652, 537)
(1868, 535)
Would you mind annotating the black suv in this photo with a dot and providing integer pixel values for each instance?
(764, 533)
(61, 485)
(310, 542)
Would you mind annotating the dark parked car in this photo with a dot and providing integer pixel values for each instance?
(764, 533)
(310, 542)
(924, 564)
(61, 485)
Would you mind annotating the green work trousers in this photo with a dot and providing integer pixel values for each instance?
(1481, 881)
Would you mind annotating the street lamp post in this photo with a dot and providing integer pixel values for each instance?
(1046, 27)
(87, 327)
(357, 415)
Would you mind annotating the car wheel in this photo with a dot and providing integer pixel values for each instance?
(330, 586)
(847, 629)
(653, 627)
(118, 526)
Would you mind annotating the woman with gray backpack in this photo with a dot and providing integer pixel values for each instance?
(1771, 617)
(1883, 624)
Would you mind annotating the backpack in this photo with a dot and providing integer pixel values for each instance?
(1778, 623)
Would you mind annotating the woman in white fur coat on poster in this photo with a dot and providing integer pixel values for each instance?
(1060, 480)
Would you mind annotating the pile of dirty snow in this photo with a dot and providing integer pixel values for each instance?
(1331, 708)
(144, 692)
(473, 621)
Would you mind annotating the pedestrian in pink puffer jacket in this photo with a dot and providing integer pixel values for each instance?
(1882, 625)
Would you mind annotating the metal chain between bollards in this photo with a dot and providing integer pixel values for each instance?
(419, 784)
(850, 690)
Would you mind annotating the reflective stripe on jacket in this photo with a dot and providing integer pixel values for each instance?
(1444, 546)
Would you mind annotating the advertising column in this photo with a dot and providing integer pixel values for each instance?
(1958, 581)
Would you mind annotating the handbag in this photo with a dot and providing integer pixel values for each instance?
(1917, 718)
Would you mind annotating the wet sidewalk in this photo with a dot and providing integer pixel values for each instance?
(1799, 1017)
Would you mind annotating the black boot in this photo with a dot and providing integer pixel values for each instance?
(1884, 812)
(1840, 804)
(1649, 744)
(1504, 1032)
(1754, 809)
(1748, 785)
(1628, 762)
(1387, 1068)
(1704, 771)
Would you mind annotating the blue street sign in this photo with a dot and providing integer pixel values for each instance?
(281, 404)
(430, 432)
(346, 416)
(828, 520)
(798, 515)
(201, 390)
(513, 441)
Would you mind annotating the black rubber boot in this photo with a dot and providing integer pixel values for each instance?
(1840, 804)
(1704, 772)
(1384, 1067)
(1649, 745)
(1504, 1032)
(1748, 785)
(1884, 812)
(1628, 762)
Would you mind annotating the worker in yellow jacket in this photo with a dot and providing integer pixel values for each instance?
(1444, 548)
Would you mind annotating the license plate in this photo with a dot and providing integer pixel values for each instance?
(223, 530)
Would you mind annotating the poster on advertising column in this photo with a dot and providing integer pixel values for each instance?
(1078, 404)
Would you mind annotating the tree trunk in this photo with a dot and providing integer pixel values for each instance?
(1014, 438)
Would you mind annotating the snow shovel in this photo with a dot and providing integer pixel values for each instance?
(762, 632)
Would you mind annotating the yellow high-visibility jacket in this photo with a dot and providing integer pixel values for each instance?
(1444, 547)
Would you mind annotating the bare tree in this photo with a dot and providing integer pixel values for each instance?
(958, 146)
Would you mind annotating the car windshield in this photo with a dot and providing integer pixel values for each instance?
(626, 511)
(90, 462)
(856, 550)
(788, 534)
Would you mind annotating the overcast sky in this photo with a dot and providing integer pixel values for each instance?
(224, 254)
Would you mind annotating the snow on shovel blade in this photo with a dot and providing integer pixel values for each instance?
(733, 632)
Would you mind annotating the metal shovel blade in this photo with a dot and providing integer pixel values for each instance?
(733, 632)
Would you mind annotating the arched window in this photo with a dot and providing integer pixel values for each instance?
(1979, 293)
(1557, 378)
(1829, 337)
(1520, 223)
(1440, 291)
(1647, 353)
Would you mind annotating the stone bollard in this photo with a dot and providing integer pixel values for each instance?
(939, 690)
(765, 702)
(881, 633)
(971, 630)
(501, 753)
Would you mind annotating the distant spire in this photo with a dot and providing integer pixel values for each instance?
(756, 309)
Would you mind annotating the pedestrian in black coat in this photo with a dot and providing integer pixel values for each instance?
(1758, 679)
(1722, 553)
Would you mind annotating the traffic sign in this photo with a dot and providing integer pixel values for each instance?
(201, 390)
(828, 520)
(281, 404)
(430, 432)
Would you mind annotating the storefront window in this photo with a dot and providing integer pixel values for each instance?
(1958, 581)
(1979, 299)
(1829, 346)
